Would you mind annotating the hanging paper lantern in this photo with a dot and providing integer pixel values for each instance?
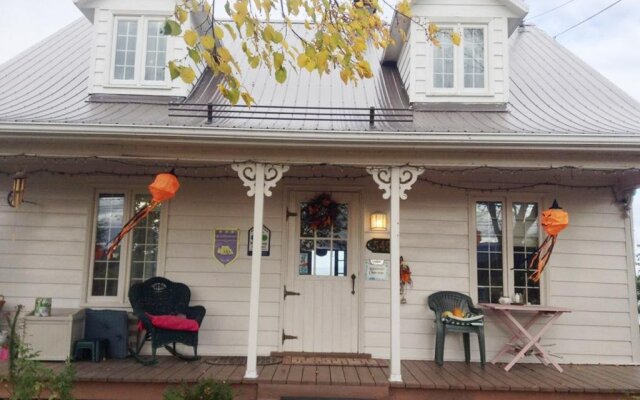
(554, 220)
(163, 187)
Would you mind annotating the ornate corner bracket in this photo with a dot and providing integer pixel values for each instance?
(247, 172)
(407, 176)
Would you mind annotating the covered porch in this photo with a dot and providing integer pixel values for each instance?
(340, 377)
(432, 224)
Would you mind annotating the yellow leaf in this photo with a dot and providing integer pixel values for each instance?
(302, 60)
(404, 8)
(224, 54)
(322, 60)
(345, 75)
(268, 33)
(174, 71)
(455, 38)
(207, 42)
(181, 15)
(277, 37)
(218, 32)
(433, 29)
(246, 97)
(278, 59)
(250, 29)
(187, 74)
(281, 75)
(233, 95)
(190, 38)
(225, 68)
(311, 65)
(208, 58)
(206, 7)
(364, 69)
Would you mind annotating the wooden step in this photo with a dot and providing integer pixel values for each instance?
(327, 355)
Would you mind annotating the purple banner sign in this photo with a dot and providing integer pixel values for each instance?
(225, 245)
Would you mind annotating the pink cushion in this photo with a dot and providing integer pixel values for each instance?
(174, 323)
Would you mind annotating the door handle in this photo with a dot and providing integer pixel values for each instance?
(353, 283)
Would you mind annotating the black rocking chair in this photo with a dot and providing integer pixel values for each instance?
(160, 296)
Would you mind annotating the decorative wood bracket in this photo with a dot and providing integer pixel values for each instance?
(408, 176)
(272, 175)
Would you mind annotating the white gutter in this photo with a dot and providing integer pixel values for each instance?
(628, 143)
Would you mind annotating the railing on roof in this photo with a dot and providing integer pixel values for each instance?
(210, 111)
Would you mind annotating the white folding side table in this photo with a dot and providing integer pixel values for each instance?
(524, 339)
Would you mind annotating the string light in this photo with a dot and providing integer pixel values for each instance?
(190, 169)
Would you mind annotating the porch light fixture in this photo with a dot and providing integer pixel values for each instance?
(16, 195)
(378, 221)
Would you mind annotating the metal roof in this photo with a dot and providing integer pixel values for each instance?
(552, 91)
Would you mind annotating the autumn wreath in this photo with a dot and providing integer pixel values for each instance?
(320, 212)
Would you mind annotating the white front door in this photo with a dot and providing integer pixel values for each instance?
(323, 269)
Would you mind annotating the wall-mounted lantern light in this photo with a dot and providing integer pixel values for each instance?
(16, 195)
(378, 221)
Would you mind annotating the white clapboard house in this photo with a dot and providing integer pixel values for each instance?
(457, 150)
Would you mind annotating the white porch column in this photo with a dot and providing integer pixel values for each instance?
(395, 181)
(259, 178)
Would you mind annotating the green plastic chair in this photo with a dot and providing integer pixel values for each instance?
(440, 302)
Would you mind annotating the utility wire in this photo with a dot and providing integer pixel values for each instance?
(588, 19)
(551, 10)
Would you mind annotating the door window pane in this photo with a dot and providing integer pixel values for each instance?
(443, 70)
(489, 223)
(156, 52)
(473, 45)
(125, 57)
(110, 216)
(525, 242)
(144, 246)
(323, 247)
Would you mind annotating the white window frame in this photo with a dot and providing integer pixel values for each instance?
(458, 63)
(141, 53)
(124, 272)
(507, 252)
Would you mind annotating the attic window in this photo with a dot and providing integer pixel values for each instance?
(460, 68)
(139, 51)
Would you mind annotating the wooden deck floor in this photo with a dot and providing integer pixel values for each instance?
(360, 379)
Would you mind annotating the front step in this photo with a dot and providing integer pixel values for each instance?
(325, 392)
(324, 355)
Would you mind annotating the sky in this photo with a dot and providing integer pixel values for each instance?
(606, 42)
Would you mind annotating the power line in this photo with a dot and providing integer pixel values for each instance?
(588, 19)
(551, 10)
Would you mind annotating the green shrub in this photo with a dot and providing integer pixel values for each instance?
(28, 378)
(207, 389)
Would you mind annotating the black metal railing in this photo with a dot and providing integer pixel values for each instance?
(211, 111)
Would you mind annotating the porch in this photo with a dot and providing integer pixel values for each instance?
(360, 378)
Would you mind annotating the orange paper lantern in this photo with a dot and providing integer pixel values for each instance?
(163, 187)
(554, 221)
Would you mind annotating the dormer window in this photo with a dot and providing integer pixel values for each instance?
(139, 52)
(460, 69)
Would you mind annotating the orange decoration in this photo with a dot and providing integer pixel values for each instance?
(554, 221)
(163, 187)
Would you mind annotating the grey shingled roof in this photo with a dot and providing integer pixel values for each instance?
(552, 91)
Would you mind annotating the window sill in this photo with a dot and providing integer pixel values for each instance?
(162, 86)
(460, 94)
